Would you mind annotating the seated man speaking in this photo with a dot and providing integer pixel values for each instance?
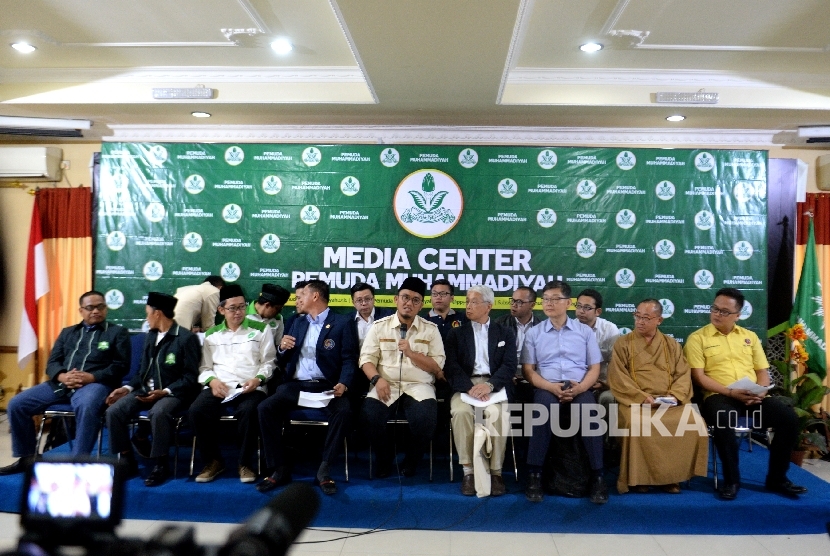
(560, 359)
(481, 359)
(319, 354)
(402, 356)
(87, 361)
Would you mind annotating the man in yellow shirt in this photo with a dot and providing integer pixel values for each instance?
(720, 354)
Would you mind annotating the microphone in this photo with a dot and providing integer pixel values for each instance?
(271, 530)
(403, 335)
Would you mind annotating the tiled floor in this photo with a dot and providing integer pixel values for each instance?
(444, 543)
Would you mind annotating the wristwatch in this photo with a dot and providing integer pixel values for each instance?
(490, 384)
(375, 379)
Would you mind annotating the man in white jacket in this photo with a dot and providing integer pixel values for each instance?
(237, 359)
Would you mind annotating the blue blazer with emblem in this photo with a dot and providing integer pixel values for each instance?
(336, 349)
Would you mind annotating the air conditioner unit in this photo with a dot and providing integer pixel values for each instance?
(30, 163)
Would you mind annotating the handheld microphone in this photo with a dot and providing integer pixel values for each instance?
(271, 530)
(403, 336)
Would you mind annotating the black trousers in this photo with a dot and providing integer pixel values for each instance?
(722, 412)
(204, 416)
(422, 417)
(162, 425)
(541, 434)
(274, 412)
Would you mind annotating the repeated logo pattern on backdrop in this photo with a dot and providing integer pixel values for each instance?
(673, 225)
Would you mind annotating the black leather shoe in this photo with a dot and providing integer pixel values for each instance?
(17, 467)
(158, 476)
(534, 492)
(729, 492)
(328, 486)
(468, 485)
(599, 490)
(279, 478)
(787, 488)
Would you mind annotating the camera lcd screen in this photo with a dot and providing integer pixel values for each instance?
(72, 492)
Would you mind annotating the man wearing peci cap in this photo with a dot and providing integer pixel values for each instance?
(165, 383)
(237, 360)
(402, 356)
(266, 308)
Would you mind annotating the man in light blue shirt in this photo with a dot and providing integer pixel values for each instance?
(561, 359)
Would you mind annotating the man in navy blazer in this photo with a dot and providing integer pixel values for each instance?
(318, 354)
(481, 361)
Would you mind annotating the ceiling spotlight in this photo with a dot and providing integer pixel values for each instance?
(676, 118)
(200, 114)
(23, 47)
(591, 47)
(282, 46)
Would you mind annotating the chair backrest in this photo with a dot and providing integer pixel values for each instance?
(136, 348)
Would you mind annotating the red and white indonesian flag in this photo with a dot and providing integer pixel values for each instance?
(37, 285)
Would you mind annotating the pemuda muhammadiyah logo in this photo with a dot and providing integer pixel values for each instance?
(114, 299)
(269, 243)
(312, 156)
(586, 248)
(664, 249)
(390, 157)
(192, 242)
(116, 240)
(234, 156)
(668, 307)
(508, 188)
(586, 189)
(468, 158)
(626, 160)
(153, 270)
(154, 212)
(230, 272)
(546, 217)
(194, 184)
(271, 185)
(309, 214)
(428, 203)
(665, 190)
(349, 186)
(546, 159)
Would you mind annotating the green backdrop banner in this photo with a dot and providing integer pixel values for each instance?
(672, 224)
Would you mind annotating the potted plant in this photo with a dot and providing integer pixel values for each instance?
(804, 391)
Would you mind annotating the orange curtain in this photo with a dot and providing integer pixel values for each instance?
(66, 218)
(819, 205)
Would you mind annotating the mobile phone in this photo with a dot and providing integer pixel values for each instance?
(566, 385)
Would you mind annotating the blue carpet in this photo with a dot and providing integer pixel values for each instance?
(439, 505)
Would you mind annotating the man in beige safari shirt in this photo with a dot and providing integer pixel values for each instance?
(402, 356)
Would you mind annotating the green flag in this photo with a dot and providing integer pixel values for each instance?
(808, 309)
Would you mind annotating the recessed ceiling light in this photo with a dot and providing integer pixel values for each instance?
(676, 118)
(591, 47)
(282, 46)
(23, 47)
(200, 114)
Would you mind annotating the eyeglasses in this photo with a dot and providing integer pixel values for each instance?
(644, 318)
(235, 308)
(520, 302)
(441, 295)
(722, 312)
(414, 300)
(554, 299)
(363, 300)
(90, 308)
(584, 307)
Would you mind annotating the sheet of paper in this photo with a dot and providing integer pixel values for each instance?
(500, 396)
(232, 393)
(666, 400)
(746, 384)
(314, 399)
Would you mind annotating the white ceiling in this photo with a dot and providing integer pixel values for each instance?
(420, 62)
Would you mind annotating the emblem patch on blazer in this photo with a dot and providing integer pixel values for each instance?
(170, 359)
(455, 324)
(103, 346)
(328, 344)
